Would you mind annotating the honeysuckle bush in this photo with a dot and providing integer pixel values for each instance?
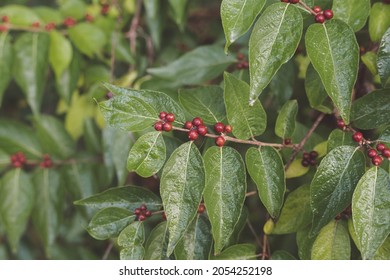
(148, 129)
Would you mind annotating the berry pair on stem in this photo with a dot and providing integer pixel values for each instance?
(165, 123)
(142, 213)
(321, 16)
(221, 128)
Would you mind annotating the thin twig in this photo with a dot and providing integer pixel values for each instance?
(264, 254)
(250, 193)
(114, 42)
(134, 26)
(258, 241)
(108, 250)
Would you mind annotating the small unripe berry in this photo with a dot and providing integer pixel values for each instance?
(219, 127)
(220, 141)
(228, 128)
(357, 136)
(201, 208)
(162, 115)
(313, 154)
(328, 14)
(341, 124)
(170, 117)
(371, 153)
(317, 9)
(141, 218)
(202, 130)
(188, 125)
(167, 126)
(377, 160)
(197, 121)
(193, 135)
(386, 153)
(305, 163)
(320, 18)
(380, 147)
(158, 126)
(239, 65)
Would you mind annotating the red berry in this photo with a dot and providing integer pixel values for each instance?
(143, 207)
(167, 126)
(89, 18)
(357, 136)
(188, 125)
(287, 141)
(5, 19)
(36, 24)
(105, 9)
(320, 18)
(328, 14)
(148, 213)
(193, 135)
(306, 156)
(239, 65)
(219, 127)
(69, 22)
(201, 208)
(109, 95)
(50, 26)
(202, 130)
(220, 141)
(305, 163)
(386, 153)
(137, 211)
(228, 128)
(245, 64)
(371, 153)
(3, 28)
(341, 124)
(197, 121)
(240, 56)
(313, 154)
(380, 147)
(162, 115)
(170, 117)
(294, 1)
(158, 126)
(17, 164)
(317, 9)
(377, 160)
(141, 218)
(285, 1)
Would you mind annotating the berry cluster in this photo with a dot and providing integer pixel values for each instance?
(321, 16)
(346, 214)
(18, 160)
(309, 159)
(165, 123)
(47, 162)
(242, 62)
(221, 128)
(377, 158)
(201, 208)
(196, 128)
(142, 213)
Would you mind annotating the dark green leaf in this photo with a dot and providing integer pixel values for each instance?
(60, 53)
(238, 228)
(92, 136)
(129, 197)
(178, 8)
(247, 121)
(204, 102)
(332, 243)
(273, 42)
(131, 240)
(379, 21)
(333, 184)
(305, 243)
(296, 212)
(383, 59)
(48, 211)
(282, 84)
(109, 222)
(238, 252)
(16, 203)
(30, 66)
(265, 166)
(181, 189)
(196, 242)
(353, 12)
(370, 60)
(334, 53)
(224, 193)
(88, 38)
(19, 15)
(281, 255)
(157, 243)
(372, 110)
(154, 20)
(238, 16)
(195, 67)
(147, 156)
(371, 210)
(6, 55)
(285, 122)
(339, 138)
(385, 136)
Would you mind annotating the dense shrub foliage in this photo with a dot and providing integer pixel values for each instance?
(233, 129)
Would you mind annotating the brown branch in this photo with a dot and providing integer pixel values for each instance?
(108, 250)
(114, 42)
(303, 4)
(250, 193)
(132, 34)
(264, 254)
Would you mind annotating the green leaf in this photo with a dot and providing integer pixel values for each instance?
(154, 20)
(315, 91)
(383, 59)
(16, 204)
(371, 210)
(238, 16)
(128, 197)
(47, 14)
(30, 66)
(6, 55)
(340, 138)
(196, 242)
(238, 252)
(92, 136)
(128, 113)
(73, 8)
(157, 243)
(296, 169)
(181, 189)
(19, 15)
(178, 8)
(385, 136)
(238, 228)
(88, 38)
(370, 60)
(158, 100)
(147, 156)
(199, 65)
(352, 233)
(265, 166)
(333, 184)
(282, 84)
(109, 222)
(332, 243)
(273, 42)
(60, 53)
(281, 255)
(247, 121)
(53, 136)
(353, 12)
(131, 240)
(224, 193)
(379, 21)
(205, 102)
(372, 110)
(334, 53)
(383, 252)
(48, 211)
(305, 243)
(296, 212)
(285, 122)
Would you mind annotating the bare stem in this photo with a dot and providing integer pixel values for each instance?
(108, 250)
(134, 26)
(264, 254)
(310, 10)
(258, 241)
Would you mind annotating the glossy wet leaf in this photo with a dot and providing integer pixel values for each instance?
(239, 227)
(17, 198)
(237, 252)
(332, 243)
(224, 194)
(247, 121)
(147, 156)
(383, 252)
(273, 42)
(196, 242)
(157, 243)
(6, 55)
(379, 21)
(371, 210)
(372, 110)
(109, 222)
(384, 59)
(334, 53)
(285, 122)
(265, 166)
(181, 189)
(340, 138)
(60, 53)
(334, 183)
(205, 102)
(131, 240)
(353, 12)
(238, 16)
(281, 255)
(305, 243)
(88, 38)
